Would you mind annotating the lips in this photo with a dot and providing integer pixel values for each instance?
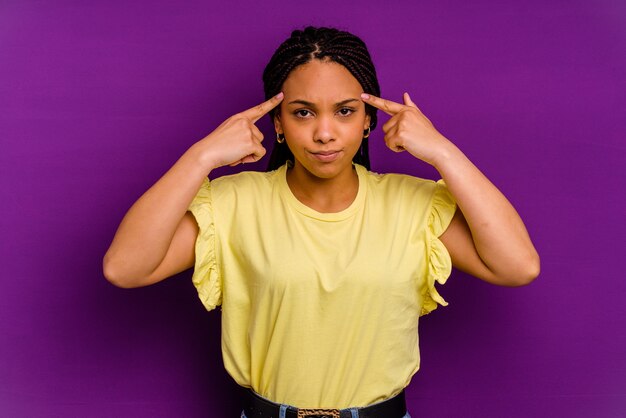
(326, 156)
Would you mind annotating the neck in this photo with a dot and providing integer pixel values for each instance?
(324, 195)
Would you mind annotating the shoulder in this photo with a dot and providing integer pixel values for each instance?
(399, 183)
(244, 192)
(243, 180)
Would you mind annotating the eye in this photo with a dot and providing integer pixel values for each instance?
(348, 109)
(299, 114)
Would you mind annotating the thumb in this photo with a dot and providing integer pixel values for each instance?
(408, 101)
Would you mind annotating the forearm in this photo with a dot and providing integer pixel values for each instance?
(500, 237)
(155, 239)
(147, 229)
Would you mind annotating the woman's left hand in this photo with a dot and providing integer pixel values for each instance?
(410, 130)
(486, 237)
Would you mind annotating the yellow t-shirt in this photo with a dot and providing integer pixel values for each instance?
(320, 310)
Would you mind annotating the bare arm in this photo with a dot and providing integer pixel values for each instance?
(155, 227)
(486, 237)
(156, 238)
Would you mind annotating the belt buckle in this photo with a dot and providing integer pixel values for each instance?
(318, 413)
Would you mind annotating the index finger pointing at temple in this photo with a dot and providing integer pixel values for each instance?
(387, 106)
(257, 112)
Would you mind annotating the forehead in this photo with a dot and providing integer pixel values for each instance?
(319, 81)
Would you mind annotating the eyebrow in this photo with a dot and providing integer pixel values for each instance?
(341, 103)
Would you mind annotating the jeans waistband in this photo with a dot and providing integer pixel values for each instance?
(260, 407)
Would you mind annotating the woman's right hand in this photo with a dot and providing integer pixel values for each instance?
(157, 236)
(237, 140)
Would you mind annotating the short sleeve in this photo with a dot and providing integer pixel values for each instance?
(443, 206)
(206, 275)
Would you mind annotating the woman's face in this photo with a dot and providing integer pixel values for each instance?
(322, 117)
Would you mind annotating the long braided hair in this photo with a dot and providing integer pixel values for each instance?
(321, 43)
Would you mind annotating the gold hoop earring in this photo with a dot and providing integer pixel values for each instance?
(280, 139)
(368, 132)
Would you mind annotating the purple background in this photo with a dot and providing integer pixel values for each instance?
(98, 100)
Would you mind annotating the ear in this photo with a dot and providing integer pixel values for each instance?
(278, 126)
(367, 122)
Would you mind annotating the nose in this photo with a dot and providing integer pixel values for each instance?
(324, 130)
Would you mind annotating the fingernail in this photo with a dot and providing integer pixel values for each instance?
(280, 95)
(365, 96)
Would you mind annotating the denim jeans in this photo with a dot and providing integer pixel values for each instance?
(355, 414)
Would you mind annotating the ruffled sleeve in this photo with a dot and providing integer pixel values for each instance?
(443, 206)
(206, 276)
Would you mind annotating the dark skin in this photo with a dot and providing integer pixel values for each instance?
(486, 237)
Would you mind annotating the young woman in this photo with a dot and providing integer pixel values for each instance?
(322, 267)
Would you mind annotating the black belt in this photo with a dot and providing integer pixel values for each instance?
(259, 407)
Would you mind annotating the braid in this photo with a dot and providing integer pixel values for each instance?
(321, 43)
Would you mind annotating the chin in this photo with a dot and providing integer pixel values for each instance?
(327, 170)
